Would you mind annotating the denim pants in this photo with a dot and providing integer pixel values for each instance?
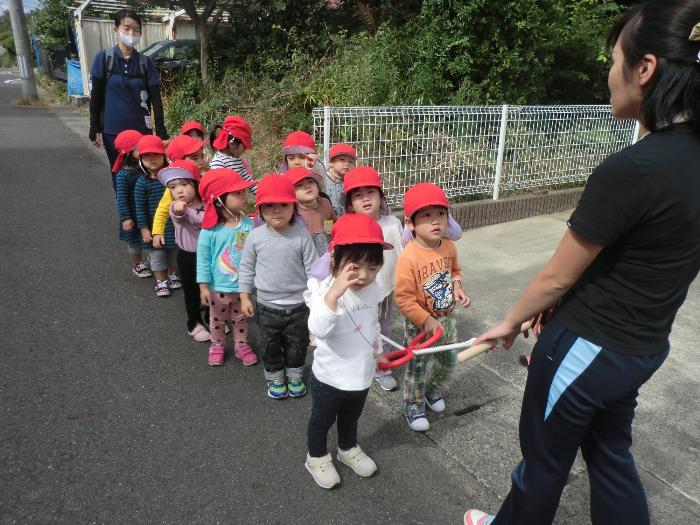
(328, 405)
(282, 340)
(578, 395)
(161, 260)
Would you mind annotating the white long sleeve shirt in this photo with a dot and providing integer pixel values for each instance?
(347, 340)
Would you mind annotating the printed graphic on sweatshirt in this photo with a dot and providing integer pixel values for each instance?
(439, 286)
(231, 257)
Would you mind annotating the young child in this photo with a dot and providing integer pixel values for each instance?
(181, 178)
(148, 192)
(344, 320)
(363, 194)
(193, 129)
(341, 159)
(127, 170)
(219, 251)
(181, 147)
(299, 150)
(313, 206)
(277, 258)
(428, 285)
(230, 141)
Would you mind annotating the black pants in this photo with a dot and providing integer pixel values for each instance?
(187, 267)
(578, 395)
(112, 154)
(282, 338)
(329, 404)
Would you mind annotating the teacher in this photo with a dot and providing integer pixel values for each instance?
(620, 273)
(125, 88)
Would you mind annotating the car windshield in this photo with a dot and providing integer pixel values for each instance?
(154, 48)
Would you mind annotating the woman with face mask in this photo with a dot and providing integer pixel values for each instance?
(125, 88)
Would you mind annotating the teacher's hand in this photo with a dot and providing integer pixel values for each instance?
(504, 330)
(98, 140)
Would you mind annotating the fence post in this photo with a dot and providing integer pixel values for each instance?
(635, 133)
(326, 133)
(501, 149)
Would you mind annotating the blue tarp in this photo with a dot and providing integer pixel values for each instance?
(75, 80)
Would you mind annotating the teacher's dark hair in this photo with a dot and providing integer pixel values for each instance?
(662, 29)
(120, 15)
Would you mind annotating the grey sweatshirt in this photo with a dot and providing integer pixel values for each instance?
(277, 264)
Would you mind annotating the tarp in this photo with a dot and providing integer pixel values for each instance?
(75, 81)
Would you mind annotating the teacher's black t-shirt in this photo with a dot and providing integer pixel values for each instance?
(643, 205)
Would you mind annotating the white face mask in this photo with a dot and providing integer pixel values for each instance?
(129, 40)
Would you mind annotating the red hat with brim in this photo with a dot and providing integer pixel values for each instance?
(125, 143)
(357, 228)
(150, 144)
(216, 183)
(179, 169)
(296, 175)
(298, 142)
(183, 146)
(191, 125)
(422, 195)
(234, 128)
(360, 177)
(342, 149)
(275, 188)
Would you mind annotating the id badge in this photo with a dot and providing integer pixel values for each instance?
(327, 226)
(149, 121)
(240, 239)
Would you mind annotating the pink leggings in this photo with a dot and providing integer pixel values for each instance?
(226, 306)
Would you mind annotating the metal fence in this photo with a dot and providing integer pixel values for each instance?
(476, 150)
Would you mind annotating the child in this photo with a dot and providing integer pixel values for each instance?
(341, 159)
(276, 261)
(186, 211)
(148, 192)
(313, 207)
(428, 285)
(230, 142)
(344, 320)
(219, 251)
(299, 151)
(363, 194)
(127, 170)
(181, 147)
(193, 129)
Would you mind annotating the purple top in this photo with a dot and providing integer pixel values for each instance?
(187, 227)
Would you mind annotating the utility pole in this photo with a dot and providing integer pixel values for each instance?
(24, 55)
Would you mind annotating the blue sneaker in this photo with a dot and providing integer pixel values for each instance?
(296, 386)
(277, 388)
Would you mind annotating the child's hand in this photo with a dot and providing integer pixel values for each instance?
(204, 295)
(381, 358)
(430, 326)
(247, 307)
(461, 296)
(128, 225)
(158, 241)
(146, 235)
(345, 279)
(179, 207)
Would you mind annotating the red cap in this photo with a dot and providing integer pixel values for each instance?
(357, 228)
(299, 142)
(150, 144)
(275, 188)
(191, 125)
(217, 182)
(182, 146)
(296, 175)
(178, 169)
(361, 176)
(234, 128)
(342, 149)
(422, 195)
(125, 143)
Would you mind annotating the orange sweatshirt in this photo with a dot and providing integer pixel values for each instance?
(424, 286)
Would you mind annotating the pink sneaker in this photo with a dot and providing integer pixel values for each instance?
(245, 353)
(477, 517)
(216, 354)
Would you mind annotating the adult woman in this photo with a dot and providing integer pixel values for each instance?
(622, 270)
(125, 86)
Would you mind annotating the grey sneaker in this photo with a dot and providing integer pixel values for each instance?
(415, 417)
(387, 382)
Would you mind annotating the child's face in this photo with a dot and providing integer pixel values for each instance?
(153, 161)
(277, 215)
(300, 160)
(195, 134)
(197, 158)
(429, 224)
(236, 149)
(306, 190)
(366, 200)
(341, 164)
(182, 190)
(366, 273)
(235, 200)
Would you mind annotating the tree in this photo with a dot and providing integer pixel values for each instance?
(203, 24)
(52, 23)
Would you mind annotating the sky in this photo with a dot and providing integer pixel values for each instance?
(28, 5)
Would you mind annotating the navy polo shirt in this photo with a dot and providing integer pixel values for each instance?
(126, 92)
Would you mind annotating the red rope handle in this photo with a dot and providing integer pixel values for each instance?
(399, 358)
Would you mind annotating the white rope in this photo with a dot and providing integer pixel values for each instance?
(432, 349)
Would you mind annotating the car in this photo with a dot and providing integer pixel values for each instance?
(173, 55)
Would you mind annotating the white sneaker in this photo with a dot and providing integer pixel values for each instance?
(437, 405)
(387, 382)
(477, 517)
(199, 333)
(162, 289)
(323, 471)
(357, 460)
(415, 417)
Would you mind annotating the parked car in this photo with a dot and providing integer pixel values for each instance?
(173, 55)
